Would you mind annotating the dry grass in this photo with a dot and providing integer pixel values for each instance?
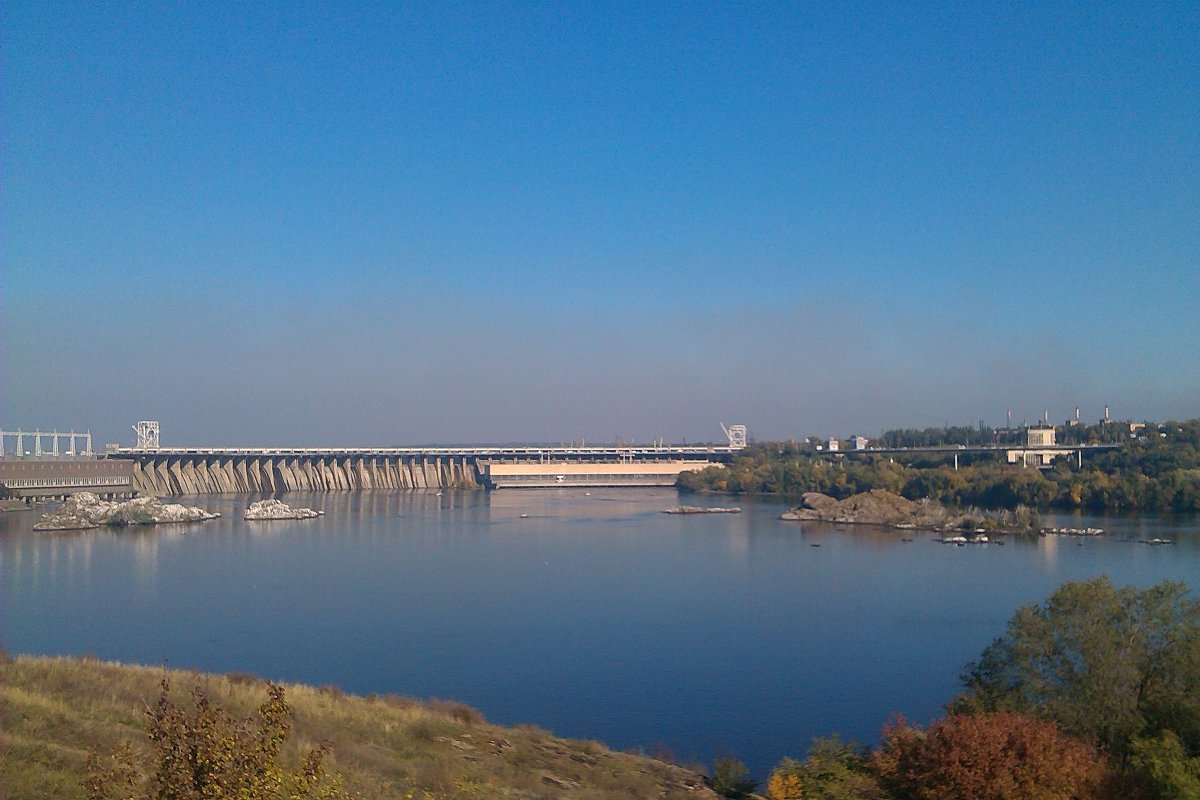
(53, 710)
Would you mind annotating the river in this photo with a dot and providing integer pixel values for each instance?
(590, 613)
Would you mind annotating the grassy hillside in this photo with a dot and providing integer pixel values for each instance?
(52, 710)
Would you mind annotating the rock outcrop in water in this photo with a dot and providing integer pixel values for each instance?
(879, 507)
(277, 509)
(703, 510)
(85, 510)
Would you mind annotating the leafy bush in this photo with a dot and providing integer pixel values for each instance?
(833, 770)
(203, 752)
(1161, 767)
(1104, 663)
(996, 756)
(731, 778)
(456, 710)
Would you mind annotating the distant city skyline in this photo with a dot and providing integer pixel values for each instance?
(379, 224)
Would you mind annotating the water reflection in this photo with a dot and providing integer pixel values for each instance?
(1049, 548)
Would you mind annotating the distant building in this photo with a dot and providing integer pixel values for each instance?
(834, 445)
(858, 443)
(34, 479)
(1038, 436)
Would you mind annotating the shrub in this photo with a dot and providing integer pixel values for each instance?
(239, 678)
(833, 770)
(1161, 767)
(731, 778)
(456, 710)
(331, 690)
(203, 752)
(996, 756)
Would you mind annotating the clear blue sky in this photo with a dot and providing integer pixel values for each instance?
(400, 223)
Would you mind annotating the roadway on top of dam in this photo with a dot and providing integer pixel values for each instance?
(563, 451)
(616, 451)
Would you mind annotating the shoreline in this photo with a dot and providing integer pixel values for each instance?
(376, 739)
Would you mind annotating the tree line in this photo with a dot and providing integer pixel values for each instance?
(1156, 469)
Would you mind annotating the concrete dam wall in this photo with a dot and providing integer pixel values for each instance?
(185, 471)
(175, 475)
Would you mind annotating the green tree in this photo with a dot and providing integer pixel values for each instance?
(1104, 663)
(202, 752)
(731, 778)
(833, 770)
(1161, 768)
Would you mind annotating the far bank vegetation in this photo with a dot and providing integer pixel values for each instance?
(1157, 470)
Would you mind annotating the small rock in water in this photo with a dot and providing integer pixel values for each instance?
(703, 510)
(277, 509)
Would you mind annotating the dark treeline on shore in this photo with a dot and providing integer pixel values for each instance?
(1155, 467)
(1100, 433)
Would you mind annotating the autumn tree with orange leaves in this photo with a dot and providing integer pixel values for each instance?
(994, 756)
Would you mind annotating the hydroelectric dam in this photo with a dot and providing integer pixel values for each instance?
(246, 470)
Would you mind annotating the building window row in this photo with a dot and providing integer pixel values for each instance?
(39, 483)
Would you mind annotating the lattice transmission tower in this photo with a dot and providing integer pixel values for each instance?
(736, 435)
(147, 434)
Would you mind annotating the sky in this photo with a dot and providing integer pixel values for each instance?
(405, 223)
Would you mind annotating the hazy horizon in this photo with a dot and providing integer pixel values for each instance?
(381, 224)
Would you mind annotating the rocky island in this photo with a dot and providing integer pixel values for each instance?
(879, 507)
(277, 509)
(85, 510)
(703, 510)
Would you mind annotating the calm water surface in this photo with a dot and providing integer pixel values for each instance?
(596, 616)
